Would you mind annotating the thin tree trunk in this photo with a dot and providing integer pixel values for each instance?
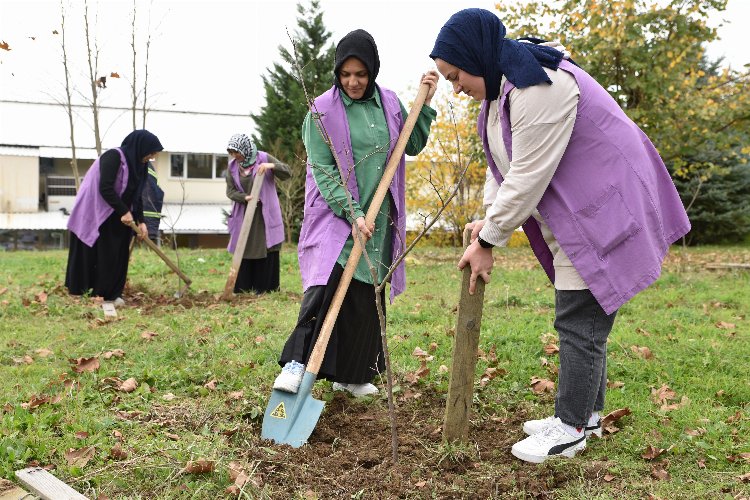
(69, 104)
(145, 69)
(133, 86)
(93, 68)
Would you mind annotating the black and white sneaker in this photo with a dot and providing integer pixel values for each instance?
(551, 441)
(531, 427)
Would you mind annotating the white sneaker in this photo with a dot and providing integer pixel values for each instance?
(531, 427)
(118, 302)
(356, 389)
(290, 377)
(551, 441)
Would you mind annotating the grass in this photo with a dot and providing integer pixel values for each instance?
(694, 322)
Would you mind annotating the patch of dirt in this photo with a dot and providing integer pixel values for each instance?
(6, 485)
(349, 454)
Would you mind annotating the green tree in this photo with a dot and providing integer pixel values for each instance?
(279, 121)
(651, 56)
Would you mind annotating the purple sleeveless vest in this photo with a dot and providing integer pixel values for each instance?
(270, 207)
(611, 204)
(323, 234)
(90, 210)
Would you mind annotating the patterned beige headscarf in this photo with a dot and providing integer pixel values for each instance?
(243, 144)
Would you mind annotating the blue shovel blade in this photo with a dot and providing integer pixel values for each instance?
(291, 418)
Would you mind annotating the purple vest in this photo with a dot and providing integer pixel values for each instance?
(611, 204)
(270, 207)
(323, 234)
(90, 210)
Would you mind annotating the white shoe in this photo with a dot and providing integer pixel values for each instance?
(531, 427)
(290, 377)
(118, 302)
(356, 389)
(551, 441)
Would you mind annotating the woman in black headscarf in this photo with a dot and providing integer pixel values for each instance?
(363, 121)
(109, 199)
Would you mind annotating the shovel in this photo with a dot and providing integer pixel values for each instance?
(239, 250)
(291, 418)
(166, 259)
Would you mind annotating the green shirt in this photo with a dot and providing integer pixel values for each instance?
(370, 143)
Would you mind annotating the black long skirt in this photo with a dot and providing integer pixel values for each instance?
(354, 354)
(258, 275)
(100, 270)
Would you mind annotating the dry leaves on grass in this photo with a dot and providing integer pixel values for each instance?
(240, 477)
(128, 385)
(660, 473)
(81, 365)
(664, 394)
(725, 325)
(653, 452)
(612, 417)
(26, 360)
(211, 384)
(643, 352)
(200, 466)
(43, 352)
(40, 400)
(745, 478)
(79, 457)
(116, 353)
(118, 453)
(489, 374)
(149, 336)
(541, 385)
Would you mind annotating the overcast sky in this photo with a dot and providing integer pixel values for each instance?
(210, 55)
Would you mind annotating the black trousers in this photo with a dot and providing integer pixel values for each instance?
(354, 354)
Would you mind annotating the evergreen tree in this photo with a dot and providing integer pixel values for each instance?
(279, 122)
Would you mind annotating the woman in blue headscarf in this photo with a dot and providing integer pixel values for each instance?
(594, 198)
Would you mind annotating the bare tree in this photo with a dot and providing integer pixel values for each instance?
(144, 108)
(96, 83)
(133, 86)
(461, 167)
(69, 102)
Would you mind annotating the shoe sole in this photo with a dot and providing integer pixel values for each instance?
(536, 459)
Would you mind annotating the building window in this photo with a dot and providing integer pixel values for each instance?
(198, 166)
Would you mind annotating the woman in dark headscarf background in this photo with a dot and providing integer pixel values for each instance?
(363, 121)
(595, 200)
(259, 271)
(109, 199)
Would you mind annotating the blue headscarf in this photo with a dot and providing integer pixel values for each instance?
(474, 41)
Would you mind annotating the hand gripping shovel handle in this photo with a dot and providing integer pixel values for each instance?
(316, 358)
(161, 254)
(239, 249)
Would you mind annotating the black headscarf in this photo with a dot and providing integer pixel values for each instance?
(474, 40)
(135, 146)
(359, 44)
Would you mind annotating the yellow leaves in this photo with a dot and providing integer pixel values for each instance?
(79, 457)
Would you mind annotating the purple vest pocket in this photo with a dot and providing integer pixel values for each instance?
(607, 222)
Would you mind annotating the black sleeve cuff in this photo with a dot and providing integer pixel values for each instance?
(484, 244)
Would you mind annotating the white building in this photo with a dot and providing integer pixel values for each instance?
(37, 187)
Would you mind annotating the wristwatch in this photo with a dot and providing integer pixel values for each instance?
(484, 244)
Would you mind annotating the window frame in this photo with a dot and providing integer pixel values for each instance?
(184, 176)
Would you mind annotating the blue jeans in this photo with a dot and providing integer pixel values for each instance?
(583, 327)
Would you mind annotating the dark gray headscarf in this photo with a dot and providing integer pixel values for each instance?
(244, 145)
(359, 44)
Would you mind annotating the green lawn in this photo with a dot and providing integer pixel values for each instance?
(187, 405)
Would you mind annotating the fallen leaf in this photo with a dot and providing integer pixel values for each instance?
(726, 326)
(235, 395)
(118, 436)
(35, 402)
(260, 339)
(695, 432)
(420, 484)
(114, 75)
(442, 369)
(41, 297)
(540, 385)
(148, 336)
(735, 418)
(129, 385)
(662, 394)
(211, 384)
(433, 347)
(79, 457)
(745, 478)
(612, 417)
(118, 453)
(81, 435)
(701, 463)
(643, 352)
(81, 365)
(609, 478)
(615, 385)
(3, 290)
(551, 349)
(200, 466)
(43, 352)
(4, 45)
(489, 374)
(660, 474)
(117, 353)
(418, 352)
(173, 437)
(168, 396)
(676, 406)
(652, 452)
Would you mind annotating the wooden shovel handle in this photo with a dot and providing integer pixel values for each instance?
(239, 249)
(161, 254)
(316, 358)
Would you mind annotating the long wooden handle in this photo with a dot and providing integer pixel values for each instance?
(239, 249)
(316, 358)
(161, 254)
